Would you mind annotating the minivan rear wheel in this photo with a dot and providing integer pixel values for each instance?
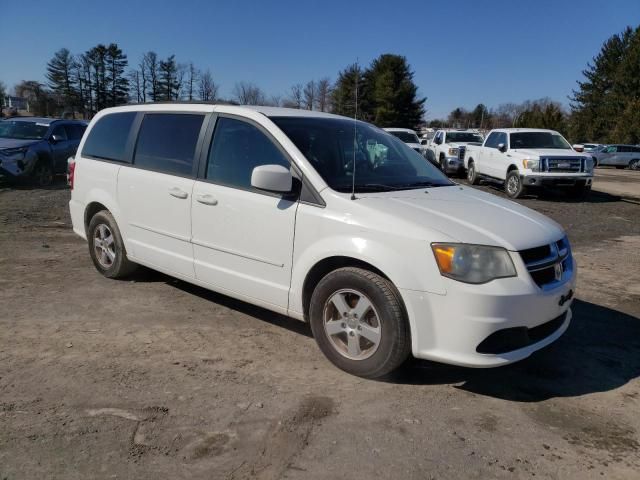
(106, 247)
(359, 322)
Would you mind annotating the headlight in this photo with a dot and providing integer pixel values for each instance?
(531, 164)
(15, 153)
(453, 151)
(473, 263)
(588, 164)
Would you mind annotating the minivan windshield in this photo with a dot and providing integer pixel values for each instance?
(22, 130)
(539, 140)
(406, 137)
(464, 137)
(382, 162)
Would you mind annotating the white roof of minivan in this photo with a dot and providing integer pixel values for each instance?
(408, 130)
(210, 107)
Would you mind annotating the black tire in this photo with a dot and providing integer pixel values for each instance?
(620, 167)
(472, 175)
(442, 165)
(42, 174)
(119, 266)
(634, 164)
(595, 162)
(394, 345)
(513, 184)
(580, 192)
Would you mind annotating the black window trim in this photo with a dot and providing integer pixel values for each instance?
(305, 193)
(132, 142)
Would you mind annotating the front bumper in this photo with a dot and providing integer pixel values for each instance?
(453, 164)
(557, 180)
(451, 328)
(17, 166)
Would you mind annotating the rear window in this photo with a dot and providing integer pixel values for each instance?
(167, 142)
(108, 137)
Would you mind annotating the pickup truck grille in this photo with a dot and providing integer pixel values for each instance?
(461, 151)
(549, 265)
(563, 164)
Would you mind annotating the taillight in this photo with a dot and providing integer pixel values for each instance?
(71, 170)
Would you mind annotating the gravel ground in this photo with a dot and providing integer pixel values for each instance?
(154, 378)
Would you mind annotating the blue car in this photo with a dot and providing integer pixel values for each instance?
(36, 149)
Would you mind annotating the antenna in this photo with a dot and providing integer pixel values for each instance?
(355, 137)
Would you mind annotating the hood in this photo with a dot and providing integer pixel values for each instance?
(15, 143)
(466, 215)
(547, 152)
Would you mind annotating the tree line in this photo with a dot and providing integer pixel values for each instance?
(101, 77)
(605, 107)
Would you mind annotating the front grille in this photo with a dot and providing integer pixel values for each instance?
(550, 264)
(563, 164)
(461, 151)
(514, 338)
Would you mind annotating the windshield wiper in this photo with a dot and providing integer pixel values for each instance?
(424, 184)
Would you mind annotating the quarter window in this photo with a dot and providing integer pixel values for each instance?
(108, 137)
(237, 148)
(167, 142)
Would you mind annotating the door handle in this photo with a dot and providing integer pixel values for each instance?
(206, 199)
(178, 193)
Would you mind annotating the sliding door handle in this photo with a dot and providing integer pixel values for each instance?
(178, 193)
(206, 199)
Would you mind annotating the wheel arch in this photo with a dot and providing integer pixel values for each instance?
(326, 266)
(512, 167)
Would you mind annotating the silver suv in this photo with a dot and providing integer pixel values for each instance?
(619, 156)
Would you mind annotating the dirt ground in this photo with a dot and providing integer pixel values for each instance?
(154, 378)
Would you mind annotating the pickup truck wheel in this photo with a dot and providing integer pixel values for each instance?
(513, 184)
(42, 174)
(107, 248)
(472, 175)
(358, 321)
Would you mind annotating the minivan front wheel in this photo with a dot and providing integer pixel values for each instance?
(359, 322)
(107, 248)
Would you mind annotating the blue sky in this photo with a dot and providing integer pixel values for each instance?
(462, 52)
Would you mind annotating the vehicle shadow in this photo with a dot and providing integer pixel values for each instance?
(551, 195)
(599, 352)
(59, 183)
(262, 314)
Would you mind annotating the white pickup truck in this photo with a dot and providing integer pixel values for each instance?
(446, 149)
(527, 158)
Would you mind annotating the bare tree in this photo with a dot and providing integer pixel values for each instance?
(247, 93)
(208, 89)
(151, 66)
(275, 101)
(143, 78)
(192, 78)
(324, 94)
(310, 95)
(294, 99)
(136, 85)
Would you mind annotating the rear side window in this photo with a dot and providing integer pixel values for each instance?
(108, 137)
(238, 147)
(74, 131)
(167, 142)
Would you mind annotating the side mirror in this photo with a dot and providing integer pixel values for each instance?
(424, 142)
(272, 178)
(438, 141)
(578, 148)
(502, 147)
(55, 139)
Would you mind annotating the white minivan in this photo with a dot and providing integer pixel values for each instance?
(327, 220)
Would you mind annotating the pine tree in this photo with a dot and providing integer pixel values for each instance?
(116, 83)
(61, 80)
(603, 96)
(343, 96)
(390, 95)
(168, 85)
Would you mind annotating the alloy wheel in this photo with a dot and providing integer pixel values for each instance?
(513, 184)
(352, 324)
(104, 245)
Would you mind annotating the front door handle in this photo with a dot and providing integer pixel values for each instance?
(178, 193)
(206, 199)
